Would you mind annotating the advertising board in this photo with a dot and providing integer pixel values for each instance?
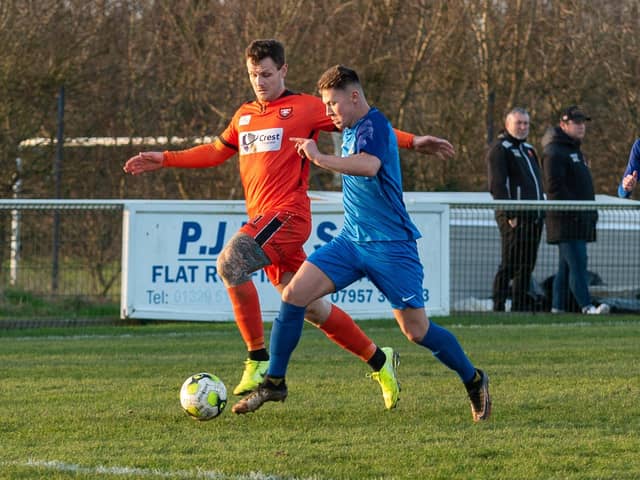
(170, 249)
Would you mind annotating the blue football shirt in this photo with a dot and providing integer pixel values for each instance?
(374, 208)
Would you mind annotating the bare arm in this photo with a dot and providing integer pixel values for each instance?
(426, 144)
(629, 181)
(202, 156)
(361, 164)
(143, 162)
(433, 146)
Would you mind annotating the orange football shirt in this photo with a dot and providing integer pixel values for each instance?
(274, 177)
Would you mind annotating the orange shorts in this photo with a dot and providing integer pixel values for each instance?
(281, 235)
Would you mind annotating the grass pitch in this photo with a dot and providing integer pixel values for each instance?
(102, 402)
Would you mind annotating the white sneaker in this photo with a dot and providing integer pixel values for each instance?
(601, 309)
(557, 310)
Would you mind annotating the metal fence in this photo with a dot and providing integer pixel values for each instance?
(613, 260)
(56, 249)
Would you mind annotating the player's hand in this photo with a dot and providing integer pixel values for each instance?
(513, 222)
(433, 146)
(629, 182)
(306, 147)
(143, 162)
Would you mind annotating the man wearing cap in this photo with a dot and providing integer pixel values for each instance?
(514, 174)
(567, 177)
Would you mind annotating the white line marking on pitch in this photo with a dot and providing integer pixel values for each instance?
(57, 466)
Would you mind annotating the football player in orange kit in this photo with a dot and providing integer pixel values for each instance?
(275, 181)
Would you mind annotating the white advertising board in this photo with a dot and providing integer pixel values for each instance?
(170, 250)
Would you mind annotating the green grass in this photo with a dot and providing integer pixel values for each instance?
(102, 402)
(20, 305)
(79, 278)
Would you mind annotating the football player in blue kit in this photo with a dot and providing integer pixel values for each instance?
(378, 241)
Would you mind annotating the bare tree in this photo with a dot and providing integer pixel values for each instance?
(176, 68)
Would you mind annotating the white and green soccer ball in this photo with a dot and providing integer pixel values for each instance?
(203, 396)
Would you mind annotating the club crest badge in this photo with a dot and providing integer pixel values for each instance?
(285, 112)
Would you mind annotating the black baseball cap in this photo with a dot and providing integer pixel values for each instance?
(574, 113)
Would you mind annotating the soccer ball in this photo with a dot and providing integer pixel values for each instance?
(203, 396)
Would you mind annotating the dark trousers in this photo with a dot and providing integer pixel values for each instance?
(519, 253)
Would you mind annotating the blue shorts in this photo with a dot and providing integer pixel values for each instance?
(392, 266)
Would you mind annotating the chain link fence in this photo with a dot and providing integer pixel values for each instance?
(613, 259)
(59, 253)
(54, 250)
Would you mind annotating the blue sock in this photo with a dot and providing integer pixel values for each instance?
(446, 348)
(285, 334)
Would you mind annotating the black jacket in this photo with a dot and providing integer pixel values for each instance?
(514, 171)
(567, 177)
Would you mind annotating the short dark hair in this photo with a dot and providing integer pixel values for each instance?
(338, 77)
(268, 48)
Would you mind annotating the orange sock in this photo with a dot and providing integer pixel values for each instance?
(246, 309)
(342, 330)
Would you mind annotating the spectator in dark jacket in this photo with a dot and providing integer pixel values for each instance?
(514, 174)
(567, 177)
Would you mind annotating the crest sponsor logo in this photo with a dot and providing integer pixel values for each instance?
(268, 140)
